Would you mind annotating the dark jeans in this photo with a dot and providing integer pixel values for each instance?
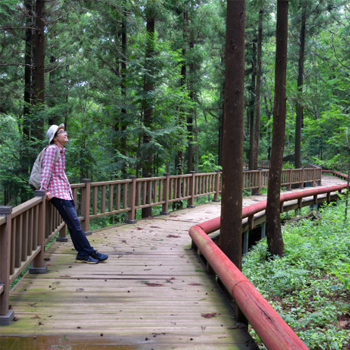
(67, 210)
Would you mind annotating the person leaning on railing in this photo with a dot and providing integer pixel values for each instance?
(55, 182)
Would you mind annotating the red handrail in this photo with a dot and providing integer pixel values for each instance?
(271, 328)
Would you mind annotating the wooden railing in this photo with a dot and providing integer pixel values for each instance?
(24, 232)
(250, 306)
(27, 228)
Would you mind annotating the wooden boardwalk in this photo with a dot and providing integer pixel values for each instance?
(152, 293)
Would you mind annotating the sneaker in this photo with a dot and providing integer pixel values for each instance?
(99, 256)
(86, 259)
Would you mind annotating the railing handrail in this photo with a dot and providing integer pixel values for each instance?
(271, 328)
(25, 206)
(29, 226)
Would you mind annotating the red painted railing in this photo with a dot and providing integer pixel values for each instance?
(271, 328)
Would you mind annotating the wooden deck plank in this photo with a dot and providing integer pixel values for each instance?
(78, 303)
(114, 298)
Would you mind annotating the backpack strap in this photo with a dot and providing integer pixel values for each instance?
(57, 154)
(41, 155)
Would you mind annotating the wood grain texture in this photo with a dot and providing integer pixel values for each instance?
(152, 286)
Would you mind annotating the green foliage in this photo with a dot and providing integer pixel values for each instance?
(309, 286)
(97, 86)
(208, 163)
(288, 166)
(7, 6)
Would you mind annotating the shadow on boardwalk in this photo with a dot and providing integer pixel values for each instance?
(152, 293)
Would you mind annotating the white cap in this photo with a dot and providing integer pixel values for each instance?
(52, 131)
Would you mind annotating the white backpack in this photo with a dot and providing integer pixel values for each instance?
(35, 175)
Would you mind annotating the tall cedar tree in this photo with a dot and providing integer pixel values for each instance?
(273, 221)
(148, 106)
(179, 159)
(258, 92)
(251, 108)
(232, 174)
(39, 63)
(299, 107)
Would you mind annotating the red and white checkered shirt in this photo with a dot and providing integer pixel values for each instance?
(53, 177)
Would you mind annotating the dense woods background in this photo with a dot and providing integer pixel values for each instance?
(140, 86)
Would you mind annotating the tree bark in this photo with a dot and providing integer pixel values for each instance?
(232, 174)
(148, 109)
(190, 121)
(299, 106)
(273, 220)
(258, 93)
(221, 125)
(251, 109)
(39, 64)
(28, 61)
(121, 121)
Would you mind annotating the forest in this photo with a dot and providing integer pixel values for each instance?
(140, 86)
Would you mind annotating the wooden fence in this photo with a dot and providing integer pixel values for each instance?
(26, 229)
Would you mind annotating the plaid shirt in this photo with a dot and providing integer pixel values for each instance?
(53, 177)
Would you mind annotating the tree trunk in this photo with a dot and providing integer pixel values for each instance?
(257, 94)
(179, 161)
(28, 61)
(232, 174)
(268, 114)
(273, 220)
(39, 64)
(190, 140)
(190, 121)
(251, 109)
(221, 125)
(121, 121)
(299, 105)
(148, 109)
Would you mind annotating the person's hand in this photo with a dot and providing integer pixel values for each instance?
(48, 196)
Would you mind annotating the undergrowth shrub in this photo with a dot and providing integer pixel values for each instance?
(310, 286)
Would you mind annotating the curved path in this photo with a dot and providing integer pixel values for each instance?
(152, 293)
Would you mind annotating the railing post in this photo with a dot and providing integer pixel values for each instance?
(37, 265)
(62, 236)
(302, 178)
(245, 242)
(290, 175)
(258, 191)
(217, 186)
(85, 206)
(192, 186)
(263, 230)
(165, 206)
(6, 315)
(132, 194)
(313, 177)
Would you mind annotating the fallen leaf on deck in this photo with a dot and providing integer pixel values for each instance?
(213, 314)
(154, 227)
(172, 236)
(195, 284)
(154, 284)
(36, 316)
